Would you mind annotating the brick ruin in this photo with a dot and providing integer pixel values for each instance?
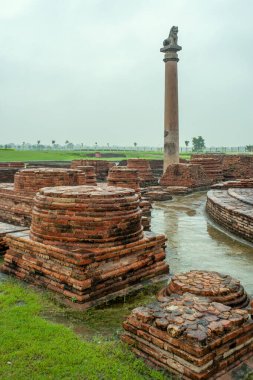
(232, 209)
(185, 175)
(8, 170)
(241, 183)
(144, 170)
(86, 243)
(212, 167)
(102, 167)
(231, 166)
(216, 286)
(6, 228)
(193, 336)
(157, 193)
(16, 200)
(122, 176)
(90, 174)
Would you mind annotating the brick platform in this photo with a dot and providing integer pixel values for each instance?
(185, 175)
(190, 336)
(16, 201)
(144, 170)
(101, 167)
(216, 286)
(87, 243)
(122, 176)
(233, 210)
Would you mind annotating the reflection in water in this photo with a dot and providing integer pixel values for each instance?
(195, 243)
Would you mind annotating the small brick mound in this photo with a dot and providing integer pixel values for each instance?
(31, 180)
(211, 166)
(144, 170)
(101, 167)
(233, 210)
(121, 176)
(185, 175)
(87, 243)
(216, 286)
(190, 336)
(90, 174)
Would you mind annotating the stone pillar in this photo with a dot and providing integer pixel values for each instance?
(171, 133)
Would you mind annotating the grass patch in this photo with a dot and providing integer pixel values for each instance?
(53, 155)
(31, 347)
(106, 320)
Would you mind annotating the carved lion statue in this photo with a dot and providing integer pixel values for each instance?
(172, 39)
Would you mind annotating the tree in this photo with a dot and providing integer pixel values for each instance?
(187, 142)
(135, 144)
(198, 144)
(249, 148)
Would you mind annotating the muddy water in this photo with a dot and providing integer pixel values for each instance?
(194, 242)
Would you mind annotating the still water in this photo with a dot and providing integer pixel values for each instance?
(194, 242)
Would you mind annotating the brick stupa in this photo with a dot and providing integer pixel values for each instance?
(87, 243)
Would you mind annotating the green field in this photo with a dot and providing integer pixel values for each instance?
(32, 347)
(52, 155)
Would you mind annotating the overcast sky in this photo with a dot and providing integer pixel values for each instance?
(91, 70)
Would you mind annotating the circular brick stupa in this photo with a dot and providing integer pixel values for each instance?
(87, 243)
(31, 180)
(216, 286)
(86, 216)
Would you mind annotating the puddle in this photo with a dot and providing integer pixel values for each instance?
(194, 242)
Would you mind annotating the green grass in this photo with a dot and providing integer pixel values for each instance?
(33, 348)
(51, 155)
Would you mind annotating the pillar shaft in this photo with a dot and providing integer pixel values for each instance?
(171, 132)
(171, 127)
